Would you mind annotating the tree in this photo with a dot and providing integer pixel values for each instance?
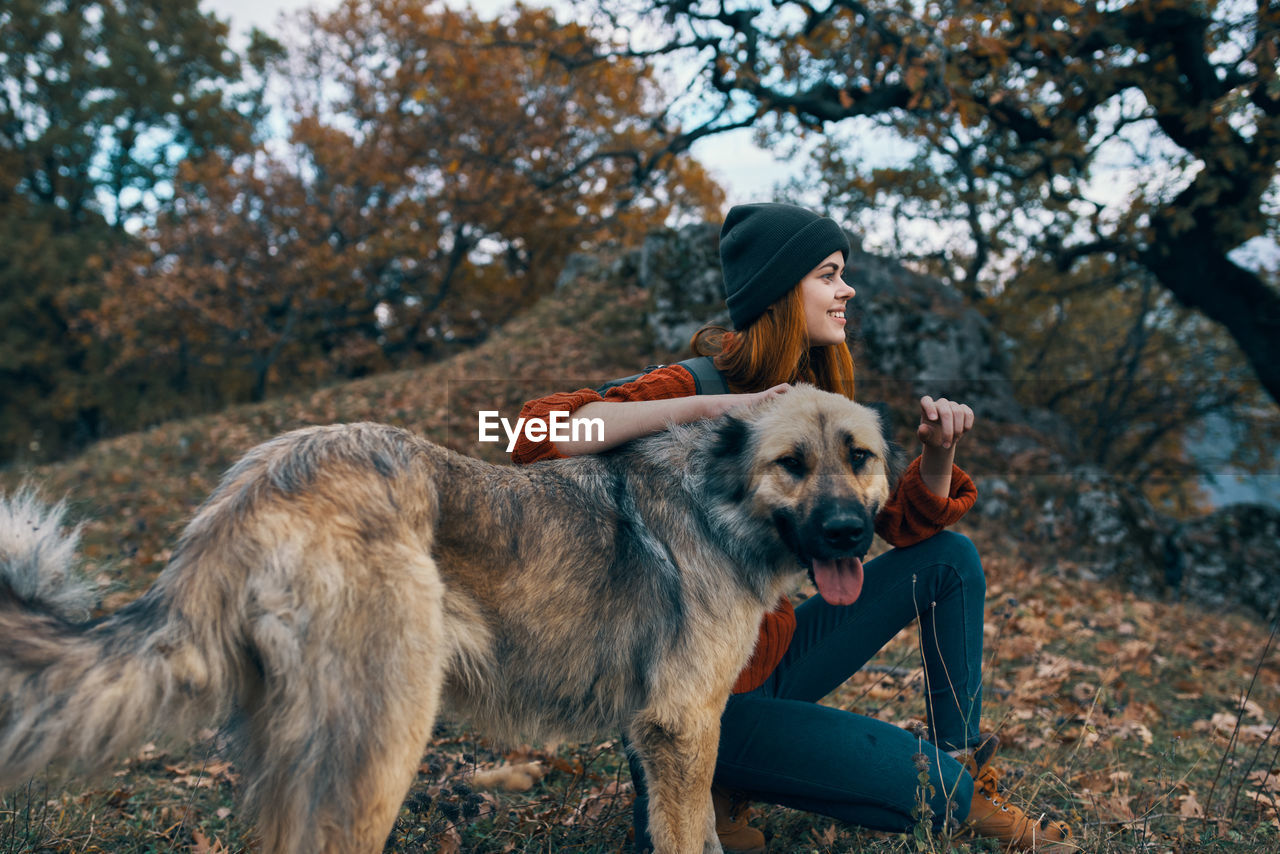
(1137, 376)
(434, 183)
(1040, 93)
(100, 101)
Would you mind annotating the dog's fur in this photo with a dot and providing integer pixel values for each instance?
(342, 582)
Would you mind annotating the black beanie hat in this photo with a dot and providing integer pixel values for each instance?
(766, 249)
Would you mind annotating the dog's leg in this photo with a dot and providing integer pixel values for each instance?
(679, 760)
(394, 754)
(337, 728)
(335, 783)
(712, 844)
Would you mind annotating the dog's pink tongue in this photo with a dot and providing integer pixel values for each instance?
(839, 581)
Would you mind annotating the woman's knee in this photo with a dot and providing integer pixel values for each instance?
(957, 556)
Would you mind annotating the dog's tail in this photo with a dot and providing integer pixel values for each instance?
(75, 692)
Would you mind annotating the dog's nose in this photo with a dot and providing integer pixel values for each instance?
(842, 531)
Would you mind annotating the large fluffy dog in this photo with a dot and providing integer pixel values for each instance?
(342, 582)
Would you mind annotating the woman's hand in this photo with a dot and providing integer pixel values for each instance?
(942, 423)
(719, 404)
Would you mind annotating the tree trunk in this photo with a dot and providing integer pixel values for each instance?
(1207, 281)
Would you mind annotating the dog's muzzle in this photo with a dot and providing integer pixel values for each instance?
(831, 543)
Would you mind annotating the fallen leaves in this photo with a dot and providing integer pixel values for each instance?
(1117, 709)
(1189, 806)
(202, 844)
(1114, 711)
(204, 775)
(1223, 727)
(520, 777)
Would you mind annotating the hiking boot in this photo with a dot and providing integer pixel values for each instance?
(732, 814)
(991, 815)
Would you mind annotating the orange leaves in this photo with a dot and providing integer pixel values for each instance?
(202, 775)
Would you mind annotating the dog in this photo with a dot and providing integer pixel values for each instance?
(342, 584)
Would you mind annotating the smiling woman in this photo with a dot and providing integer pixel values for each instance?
(824, 293)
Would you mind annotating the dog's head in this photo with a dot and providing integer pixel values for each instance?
(804, 476)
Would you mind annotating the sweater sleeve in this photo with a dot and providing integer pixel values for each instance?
(914, 513)
(659, 384)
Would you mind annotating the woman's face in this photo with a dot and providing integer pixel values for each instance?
(824, 294)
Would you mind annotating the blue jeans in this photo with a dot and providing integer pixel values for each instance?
(779, 745)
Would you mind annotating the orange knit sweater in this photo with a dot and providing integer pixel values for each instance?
(912, 514)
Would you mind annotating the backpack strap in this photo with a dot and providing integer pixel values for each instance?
(707, 379)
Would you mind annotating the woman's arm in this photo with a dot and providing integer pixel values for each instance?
(623, 421)
(942, 423)
(933, 493)
(663, 396)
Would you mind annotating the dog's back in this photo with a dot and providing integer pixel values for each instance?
(581, 611)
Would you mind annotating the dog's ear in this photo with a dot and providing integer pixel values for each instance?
(896, 460)
(726, 479)
(885, 414)
(730, 437)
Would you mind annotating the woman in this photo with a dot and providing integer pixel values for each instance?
(783, 268)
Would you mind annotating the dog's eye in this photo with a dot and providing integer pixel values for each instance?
(791, 464)
(858, 457)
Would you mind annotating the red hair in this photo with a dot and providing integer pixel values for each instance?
(773, 349)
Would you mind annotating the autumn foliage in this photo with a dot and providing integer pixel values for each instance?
(101, 100)
(432, 186)
(1047, 102)
(1087, 174)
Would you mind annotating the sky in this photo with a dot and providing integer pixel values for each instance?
(745, 171)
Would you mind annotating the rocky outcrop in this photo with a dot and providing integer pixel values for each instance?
(1107, 529)
(1226, 557)
(681, 271)
(914, 330)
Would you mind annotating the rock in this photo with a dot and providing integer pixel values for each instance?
(915, 330)
(1226, 557)
(681, 270)
(580, 265)
(1223, 559)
